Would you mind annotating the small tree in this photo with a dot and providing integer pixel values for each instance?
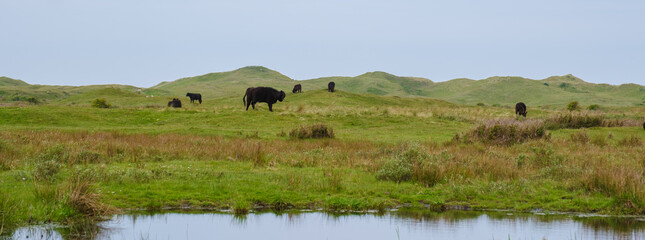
(100, 103)
(573, 106)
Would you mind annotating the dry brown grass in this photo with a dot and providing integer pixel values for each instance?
(79, 193)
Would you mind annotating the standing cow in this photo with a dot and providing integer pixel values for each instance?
(520, 108)
(330, 86)
(194, 96)
(262, 94)
(297, 88)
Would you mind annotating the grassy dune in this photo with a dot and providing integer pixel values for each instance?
(65, 161)
(499, 90)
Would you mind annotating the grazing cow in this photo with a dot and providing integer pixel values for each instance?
(330, 86)
(262, 94)
(194, 96)
(520, 108)
(297, 88)
(174, 103)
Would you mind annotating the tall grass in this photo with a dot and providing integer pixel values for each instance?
(80, 194)
(585, 120)
(586, 164)
(506, 131)
(312, 131)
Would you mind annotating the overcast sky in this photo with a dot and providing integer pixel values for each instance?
(144, 42)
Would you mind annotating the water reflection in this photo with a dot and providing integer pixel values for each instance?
(402, 224)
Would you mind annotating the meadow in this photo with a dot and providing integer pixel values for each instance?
(65, 161)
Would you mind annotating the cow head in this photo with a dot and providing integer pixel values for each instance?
(282, 95)
(187, 94)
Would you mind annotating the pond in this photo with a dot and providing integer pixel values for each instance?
(402, 224)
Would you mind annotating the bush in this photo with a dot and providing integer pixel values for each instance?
(397, 169)
(507, 131)
(573, 106)
(47, 164)
(593, 107)
(100, 103)
(412, 163)
(481, 104)
(312, 131)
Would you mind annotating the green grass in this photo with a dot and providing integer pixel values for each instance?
(143, 155)
(352, 116)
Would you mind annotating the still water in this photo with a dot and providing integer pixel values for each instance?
(401, 224)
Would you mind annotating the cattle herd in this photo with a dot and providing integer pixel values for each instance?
(271, 96)
(252, 96)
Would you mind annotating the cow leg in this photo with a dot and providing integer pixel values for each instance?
(247, 105)
(253, 105)
(270, 107)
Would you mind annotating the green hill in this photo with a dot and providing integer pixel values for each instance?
(557, 90)
(379, 83)
(502, 90)
(52, 92)
(223, 84)
(5, 81)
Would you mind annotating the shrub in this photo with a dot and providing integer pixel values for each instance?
(507, 131)
(45, 170)
(481, 104)
(593, 107)
(32, 100)
(47, 164)
(100, 103)
(412, 163)
(312, 131)
(397, 169)
(573, 106)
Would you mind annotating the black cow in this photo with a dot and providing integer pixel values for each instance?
(297, 88)
(520, 108)
(174, 103)
(194, 96)
(248, 93)
(644, 125)
(262, 94)
(330, 86)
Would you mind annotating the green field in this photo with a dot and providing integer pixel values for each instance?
(62, 160)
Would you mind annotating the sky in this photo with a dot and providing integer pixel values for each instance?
(145, 42)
